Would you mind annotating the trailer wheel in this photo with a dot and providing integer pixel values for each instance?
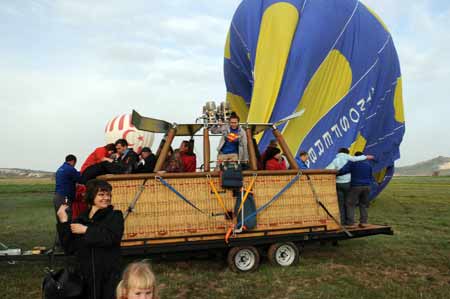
(283, 254)
(243, 259)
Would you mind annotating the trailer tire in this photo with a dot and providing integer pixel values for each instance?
(243, 259)
(283, 254)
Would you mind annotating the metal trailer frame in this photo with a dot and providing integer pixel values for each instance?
(260, 245)
(315, 234)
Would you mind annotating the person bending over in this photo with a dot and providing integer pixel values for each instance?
(125, 162)
(100, 154)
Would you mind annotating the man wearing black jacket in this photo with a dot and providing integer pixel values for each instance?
(147, 161)
(127, 159)
(361, 180)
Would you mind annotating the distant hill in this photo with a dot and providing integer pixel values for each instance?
(10, 173)
(439, 165)
(427, 168)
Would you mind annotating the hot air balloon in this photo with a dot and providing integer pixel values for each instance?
(121, 127)
(334, 58)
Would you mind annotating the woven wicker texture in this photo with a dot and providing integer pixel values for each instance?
(160, 213)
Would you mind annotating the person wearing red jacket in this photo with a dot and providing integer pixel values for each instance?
(100, 154)
(79, 205)
(188, 156)
(272, 143)
(274, 160)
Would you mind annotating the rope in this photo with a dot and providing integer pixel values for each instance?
(219, 198)
(178, 194)
(316, 197)
(135, 199)
(266, 205)
(246, 193)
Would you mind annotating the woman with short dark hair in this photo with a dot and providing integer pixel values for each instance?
(94, 237)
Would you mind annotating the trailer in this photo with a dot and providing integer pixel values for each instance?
(185, 212)
(262, 213)
(243, 254)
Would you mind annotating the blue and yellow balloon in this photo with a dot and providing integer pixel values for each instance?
(334, 58)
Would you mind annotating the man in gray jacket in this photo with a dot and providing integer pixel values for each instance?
(233, 143)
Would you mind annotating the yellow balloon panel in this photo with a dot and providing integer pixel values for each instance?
(238, 105)
(329, 85)
(278, 26)
(358, 145)
(398, 102)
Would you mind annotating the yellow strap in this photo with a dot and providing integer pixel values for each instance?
(246, 194)
(218, 196)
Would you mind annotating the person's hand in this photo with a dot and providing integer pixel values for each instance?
(62, 214)
(77, 228)
(370, 157)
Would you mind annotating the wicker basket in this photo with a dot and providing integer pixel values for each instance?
(162, 216)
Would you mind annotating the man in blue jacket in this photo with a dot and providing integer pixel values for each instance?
(66, 178)
(361, 179)
(301, 161)
(343, 179)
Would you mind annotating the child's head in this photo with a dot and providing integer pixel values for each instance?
(138, 282)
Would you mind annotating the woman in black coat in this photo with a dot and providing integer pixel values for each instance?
(94, 237)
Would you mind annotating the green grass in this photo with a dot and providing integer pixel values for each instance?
(15, 186)
(414, 263)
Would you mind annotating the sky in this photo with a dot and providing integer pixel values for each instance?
(68, 67)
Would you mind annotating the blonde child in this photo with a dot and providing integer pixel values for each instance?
(138, 282)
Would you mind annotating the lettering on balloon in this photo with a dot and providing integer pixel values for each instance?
(319, 145)
(339, 130)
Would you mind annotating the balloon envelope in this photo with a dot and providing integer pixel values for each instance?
(120, 127)
(334, 58)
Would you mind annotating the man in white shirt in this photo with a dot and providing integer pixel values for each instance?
(343, 181)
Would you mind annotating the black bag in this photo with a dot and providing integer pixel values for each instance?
(62, 284)
(232, 178)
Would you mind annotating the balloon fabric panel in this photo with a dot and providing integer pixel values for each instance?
(333, 58)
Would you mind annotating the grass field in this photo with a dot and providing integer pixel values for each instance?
(414, 263)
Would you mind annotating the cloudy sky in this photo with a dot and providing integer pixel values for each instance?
(68, 67)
